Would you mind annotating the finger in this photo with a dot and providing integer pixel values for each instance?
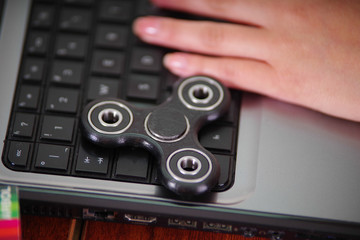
(236, 73)
(260, 77)
(222, 39)
(253, 12)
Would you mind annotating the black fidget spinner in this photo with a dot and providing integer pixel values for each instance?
(169, 131)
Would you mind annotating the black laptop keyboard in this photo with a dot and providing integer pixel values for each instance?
(80, 50)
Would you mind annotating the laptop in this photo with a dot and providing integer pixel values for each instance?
(285, 172)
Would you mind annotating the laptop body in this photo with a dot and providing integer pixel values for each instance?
(295, 175)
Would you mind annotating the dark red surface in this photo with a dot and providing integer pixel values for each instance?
(34, 227)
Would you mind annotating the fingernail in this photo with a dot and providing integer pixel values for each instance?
(147, 26)
(176, 62)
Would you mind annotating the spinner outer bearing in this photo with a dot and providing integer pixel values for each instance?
(190, 163)
(123, 117)
(201, 93)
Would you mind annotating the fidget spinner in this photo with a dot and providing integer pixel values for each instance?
(168, 131)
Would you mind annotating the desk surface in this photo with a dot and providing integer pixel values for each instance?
(34, 227)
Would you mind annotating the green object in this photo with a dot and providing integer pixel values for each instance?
(9, 202)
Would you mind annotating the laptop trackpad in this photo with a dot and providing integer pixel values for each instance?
(308, 164)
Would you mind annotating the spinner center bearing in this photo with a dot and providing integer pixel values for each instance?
(167, 125)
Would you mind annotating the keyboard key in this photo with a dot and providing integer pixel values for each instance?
(71, 46)
(77, 20)
(143, 87)
(224, 162)
(132, 163)
(155, 176)
(145, 7)
(52, 157)
(70, 73)
(146, 60)
(170, 80)
(230, 115)
(62, 100)
(217, 137)
(115, 11)
(110, 36)
(18, 154)
(57, 128)
(103, 87)
(34, 69)
(37, 43)
(108, 62)
(42, 17)
(29, 97)
(92, 159)
(23, 125)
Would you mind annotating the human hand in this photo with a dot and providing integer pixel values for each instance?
(305, 52)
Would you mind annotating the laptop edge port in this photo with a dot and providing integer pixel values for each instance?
(182, 223)
(140, 219)
(96, 214)
(217, 227)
